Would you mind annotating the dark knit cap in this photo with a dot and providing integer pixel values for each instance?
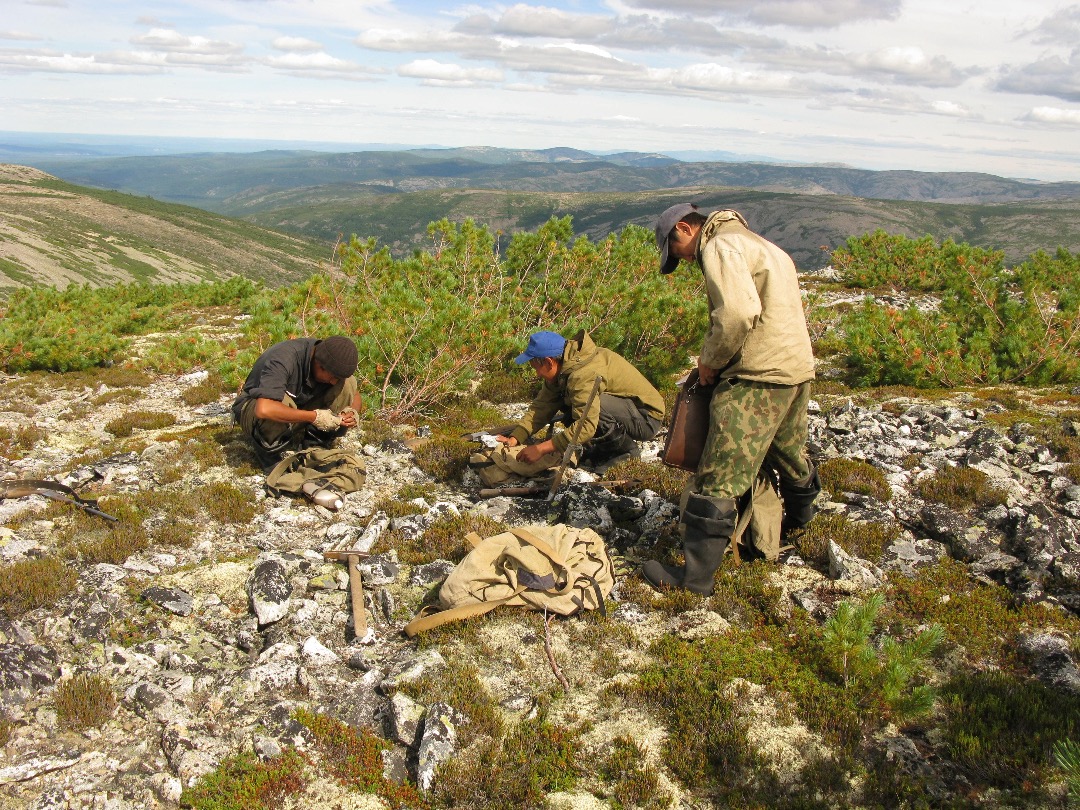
(337, 355)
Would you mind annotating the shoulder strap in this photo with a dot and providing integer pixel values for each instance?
(425, 622)
(540, 545)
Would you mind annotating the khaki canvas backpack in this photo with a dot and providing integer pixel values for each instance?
(500, 464)
(333, 467)
(557, 568)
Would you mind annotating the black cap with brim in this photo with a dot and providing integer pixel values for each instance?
(667, 221)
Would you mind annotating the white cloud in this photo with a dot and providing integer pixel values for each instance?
(537, 21)
(792, 13)
(1051, 76)
(447, 74)
(69, 63)
(21, 36)
(1054, 115)
(950, 108)
(168, 40)
(295, 44)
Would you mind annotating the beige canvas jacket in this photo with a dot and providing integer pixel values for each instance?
(757, 327)
(582, 361)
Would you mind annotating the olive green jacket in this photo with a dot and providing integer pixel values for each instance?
(757, 327)
(582, 360)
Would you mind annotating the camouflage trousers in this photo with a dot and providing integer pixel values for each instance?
(750, 424)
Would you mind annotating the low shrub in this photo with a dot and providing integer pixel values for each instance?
(841, 475)
(667, 482)
(859, 538)
(634, 781)
(445, 538)
(227, 503)
(242, 782)
(17, 443)
(459, 685)
(354, 757)
(1000, 727)
(34, 583)
(84, 701)
(534, 759)
(139, 420)
(961, 488)
(209, 390)
(444, 458)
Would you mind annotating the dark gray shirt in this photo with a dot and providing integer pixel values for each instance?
(284, 368)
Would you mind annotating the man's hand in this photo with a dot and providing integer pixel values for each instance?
(349, 417)
(706, 374)
(326, 420)
(534, 451)
(509, 441)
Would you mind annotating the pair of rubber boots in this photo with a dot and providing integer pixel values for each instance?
(708, 524)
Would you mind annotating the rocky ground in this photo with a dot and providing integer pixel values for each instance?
(211, 644)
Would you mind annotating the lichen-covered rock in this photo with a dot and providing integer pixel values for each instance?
(269, 590)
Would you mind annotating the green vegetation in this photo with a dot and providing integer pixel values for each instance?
(34, 583)
(840, 475)
(993, 325)
(1067, 755)
(242, 782)
(139, 420)
(961, 488)
(635, 783)
(84, 701)
(534, 759)
(861, 539)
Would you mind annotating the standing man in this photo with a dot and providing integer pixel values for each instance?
(627, 407)
(757, 349)
(300, 393)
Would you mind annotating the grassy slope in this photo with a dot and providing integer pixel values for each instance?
(52, 232)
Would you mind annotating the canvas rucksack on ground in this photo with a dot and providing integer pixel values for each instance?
(557, 568)
(500, 464)
(334, 468)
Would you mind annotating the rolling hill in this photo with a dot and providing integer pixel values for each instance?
(52, 232)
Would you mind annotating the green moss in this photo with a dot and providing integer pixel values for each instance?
(35, 583)
(961, 488)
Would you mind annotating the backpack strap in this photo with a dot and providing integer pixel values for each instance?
(425, 622)
(540, 545)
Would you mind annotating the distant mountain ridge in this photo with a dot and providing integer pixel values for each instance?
(211, 180)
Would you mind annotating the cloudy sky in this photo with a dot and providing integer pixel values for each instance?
(982, 85)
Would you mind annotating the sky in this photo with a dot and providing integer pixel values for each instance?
(932, 85)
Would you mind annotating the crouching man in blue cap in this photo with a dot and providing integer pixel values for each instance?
(627, 407)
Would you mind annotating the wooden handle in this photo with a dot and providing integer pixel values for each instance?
(356, 592)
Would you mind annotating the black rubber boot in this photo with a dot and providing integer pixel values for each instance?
(799, 497)
(612, 444)
(708, 524)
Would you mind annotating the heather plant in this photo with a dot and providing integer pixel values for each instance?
(34, 583)
(961, 488)
(84, 701)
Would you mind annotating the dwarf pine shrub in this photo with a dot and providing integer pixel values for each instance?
(884, 674)
(1067, 756)
(992, 324)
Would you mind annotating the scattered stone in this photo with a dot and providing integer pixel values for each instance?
(170, 599)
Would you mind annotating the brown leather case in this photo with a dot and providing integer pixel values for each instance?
(689, 425)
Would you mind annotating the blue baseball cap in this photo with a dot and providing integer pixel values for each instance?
(542, 344)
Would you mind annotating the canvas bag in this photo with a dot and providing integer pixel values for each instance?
(499, 464)
(331, 467)
(689, 425)
(557, 568)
